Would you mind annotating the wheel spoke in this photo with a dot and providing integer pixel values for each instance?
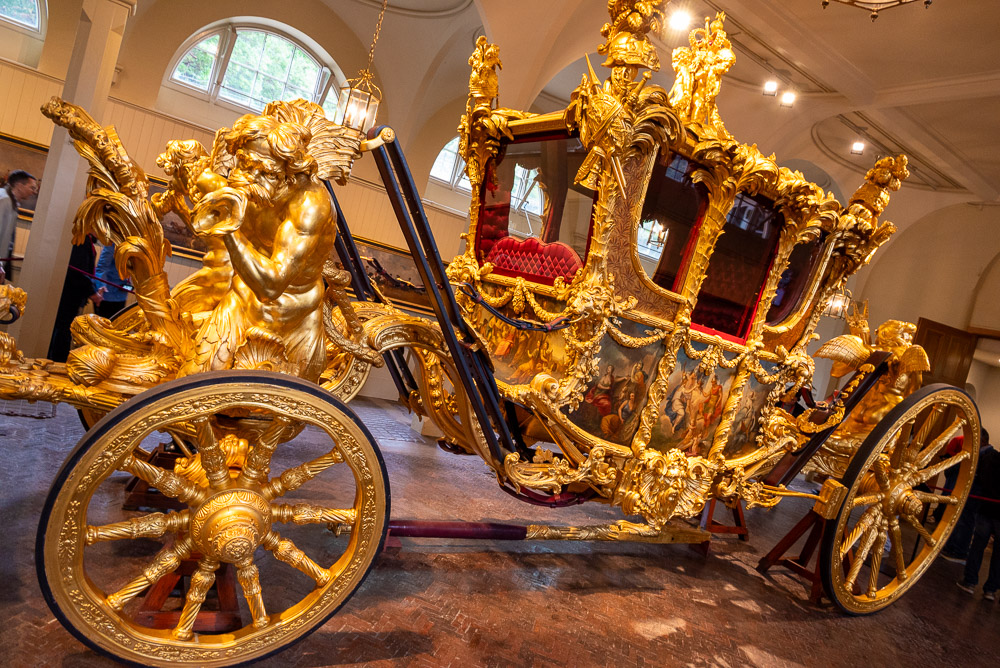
(286, 551)
(153, 525)
(213, 458)
(297, 476)
(897, 549)
(201, 582)
(306, 513)
(925, 456)
(865, 522)
(249, 578)
(167, 482)
(901, 446)
(879, 549)
(881, 472)
(924, 533)
(860, 557)
(930, 497)
(944, 465)
(166, 561)
(930, 422)
(258, 462)
(866, 500)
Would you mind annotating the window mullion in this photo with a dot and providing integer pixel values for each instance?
(323, 85)
(225, 53)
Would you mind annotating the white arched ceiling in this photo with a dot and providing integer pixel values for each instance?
(985, 302)
(934, 267)
(158, 30)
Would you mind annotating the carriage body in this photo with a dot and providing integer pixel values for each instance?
(646, 285)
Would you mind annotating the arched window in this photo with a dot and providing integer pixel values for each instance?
(449, 168)
(248, 66)
(23, 13)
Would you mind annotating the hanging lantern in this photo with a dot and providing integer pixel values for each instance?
(359, 100)
(360, 97)
(838, 304)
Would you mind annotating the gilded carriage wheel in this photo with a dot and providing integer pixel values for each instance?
(95, 562)
(880, 543)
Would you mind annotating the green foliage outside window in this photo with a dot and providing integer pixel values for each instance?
(195, 68)
(22, 12)
(261, 67)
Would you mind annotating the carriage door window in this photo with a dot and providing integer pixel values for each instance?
(795, 280)
(673, 208)
(738, 268)
(534, 222)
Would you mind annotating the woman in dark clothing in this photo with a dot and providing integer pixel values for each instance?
(77, 289)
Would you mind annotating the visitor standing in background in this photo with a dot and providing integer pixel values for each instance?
(116, 290)
(77, 289)
(986, 486)
(20, 185)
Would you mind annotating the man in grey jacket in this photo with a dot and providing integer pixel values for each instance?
(20, 186)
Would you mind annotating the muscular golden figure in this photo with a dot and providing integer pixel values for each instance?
(276, 221)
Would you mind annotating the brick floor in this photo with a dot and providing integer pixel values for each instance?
(474, 603)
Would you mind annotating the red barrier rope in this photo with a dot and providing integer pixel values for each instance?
(98, 278)
(971, 496)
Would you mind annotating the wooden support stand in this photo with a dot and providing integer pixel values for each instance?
(739, 527)
(223, 620)
(138, 493)
(815, 525)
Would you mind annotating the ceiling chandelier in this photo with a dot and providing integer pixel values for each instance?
(875, 6)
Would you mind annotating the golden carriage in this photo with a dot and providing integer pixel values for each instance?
(628, 324)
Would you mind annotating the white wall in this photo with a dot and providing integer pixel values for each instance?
(986, 380)
(934, 266)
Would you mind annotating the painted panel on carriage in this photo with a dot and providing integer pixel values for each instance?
(613, 401)
(690, 414)
(746, 423)
(519, 355)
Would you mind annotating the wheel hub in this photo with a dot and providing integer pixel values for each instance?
(231, 525)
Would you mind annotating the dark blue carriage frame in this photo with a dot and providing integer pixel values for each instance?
(472, 364)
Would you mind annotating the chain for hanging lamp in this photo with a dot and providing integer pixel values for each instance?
(360, 97)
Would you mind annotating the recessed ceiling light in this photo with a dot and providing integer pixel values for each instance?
(771, 87)
(787, 98)
(858, 147)
(680, 20)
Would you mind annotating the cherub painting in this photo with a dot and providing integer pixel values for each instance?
(690, 414)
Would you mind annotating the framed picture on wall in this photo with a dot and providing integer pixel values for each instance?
(393, 271)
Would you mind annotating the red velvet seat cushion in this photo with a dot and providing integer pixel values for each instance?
(533, 259)
(492, 226)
